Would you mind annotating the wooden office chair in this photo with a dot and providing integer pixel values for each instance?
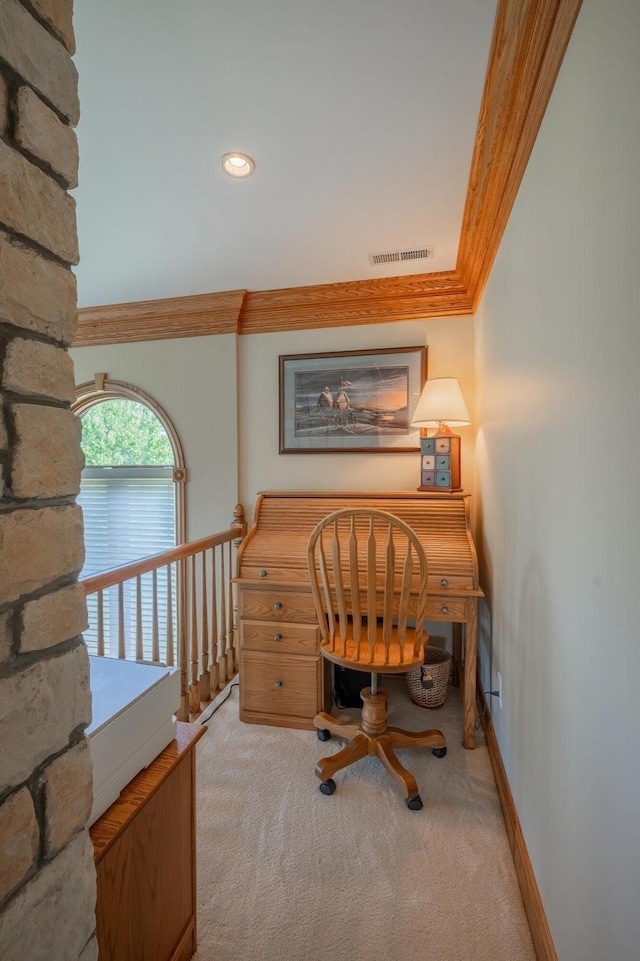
(368, 574)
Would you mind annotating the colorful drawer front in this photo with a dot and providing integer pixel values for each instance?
(440, 463)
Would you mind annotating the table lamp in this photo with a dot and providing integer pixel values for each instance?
(441, 405)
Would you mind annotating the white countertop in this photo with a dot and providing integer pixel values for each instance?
(116, 684)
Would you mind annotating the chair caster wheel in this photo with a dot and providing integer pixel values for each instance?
(329, 787)
(439, 751)
(323, 734)
(415, 803)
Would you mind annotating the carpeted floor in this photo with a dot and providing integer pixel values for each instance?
(287, 874)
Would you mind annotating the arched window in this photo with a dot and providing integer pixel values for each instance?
(132, 487)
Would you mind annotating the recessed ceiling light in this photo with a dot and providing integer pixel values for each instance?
(237, 164)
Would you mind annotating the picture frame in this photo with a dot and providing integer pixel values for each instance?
(351, 401)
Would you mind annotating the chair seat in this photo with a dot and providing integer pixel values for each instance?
(399, 658)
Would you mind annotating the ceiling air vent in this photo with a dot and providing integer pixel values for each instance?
(398, 256)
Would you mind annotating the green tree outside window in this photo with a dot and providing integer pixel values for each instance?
(124, 433)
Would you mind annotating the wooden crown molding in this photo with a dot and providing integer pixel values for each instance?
(529, 41)
(356, 302)
(194, 316)
(530, 38)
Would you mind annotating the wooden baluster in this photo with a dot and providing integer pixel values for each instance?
(121, 645)
(224, 677)
(139, 646)
(155, 636)
(231, 650)
(194, 687)
(215, 666)
(100, 599)
(182, 640)
(205, 679)
(169, 654)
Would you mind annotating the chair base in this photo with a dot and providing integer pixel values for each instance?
(373, 737)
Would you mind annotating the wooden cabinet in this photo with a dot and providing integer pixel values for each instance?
(283, 678)
(144, 847)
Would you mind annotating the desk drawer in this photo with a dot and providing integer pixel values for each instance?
(443, 608)
(275, 605)
(280, 638)
(279, 684)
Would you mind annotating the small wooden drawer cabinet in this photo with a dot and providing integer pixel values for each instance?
(440, 467)
(283, 678)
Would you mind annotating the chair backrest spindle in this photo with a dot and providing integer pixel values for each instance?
(339, 588)
(389, 587)
(356, 612)
(371, 590)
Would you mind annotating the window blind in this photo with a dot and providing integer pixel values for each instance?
(129, 513)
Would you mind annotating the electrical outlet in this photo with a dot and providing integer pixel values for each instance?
(500, 690)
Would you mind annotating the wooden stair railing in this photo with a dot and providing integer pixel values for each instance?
(183, 614)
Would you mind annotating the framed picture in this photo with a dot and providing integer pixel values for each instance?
(351, 401)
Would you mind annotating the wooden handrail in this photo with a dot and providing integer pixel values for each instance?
(100, 582)
(198, 594)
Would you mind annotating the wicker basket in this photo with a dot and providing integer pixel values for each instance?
(436, 664)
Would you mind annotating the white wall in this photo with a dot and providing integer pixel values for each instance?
(194, 380)
(229, 428)
(558, 461)
(450, 353)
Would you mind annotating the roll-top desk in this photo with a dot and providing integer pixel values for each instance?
(284, 680)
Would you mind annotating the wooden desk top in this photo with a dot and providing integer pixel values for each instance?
(277, 542)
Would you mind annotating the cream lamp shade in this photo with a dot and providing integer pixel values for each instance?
(441, 402)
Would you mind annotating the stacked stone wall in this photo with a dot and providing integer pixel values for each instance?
(47, 875)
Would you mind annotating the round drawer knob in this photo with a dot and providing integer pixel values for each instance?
(277, 606)
(444, 609)
(263, 573)
(277, 637)
(444, 582)
(277, 684)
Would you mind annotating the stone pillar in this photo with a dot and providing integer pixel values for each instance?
(47, 875)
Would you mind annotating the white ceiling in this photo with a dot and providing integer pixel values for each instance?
(360, 115)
